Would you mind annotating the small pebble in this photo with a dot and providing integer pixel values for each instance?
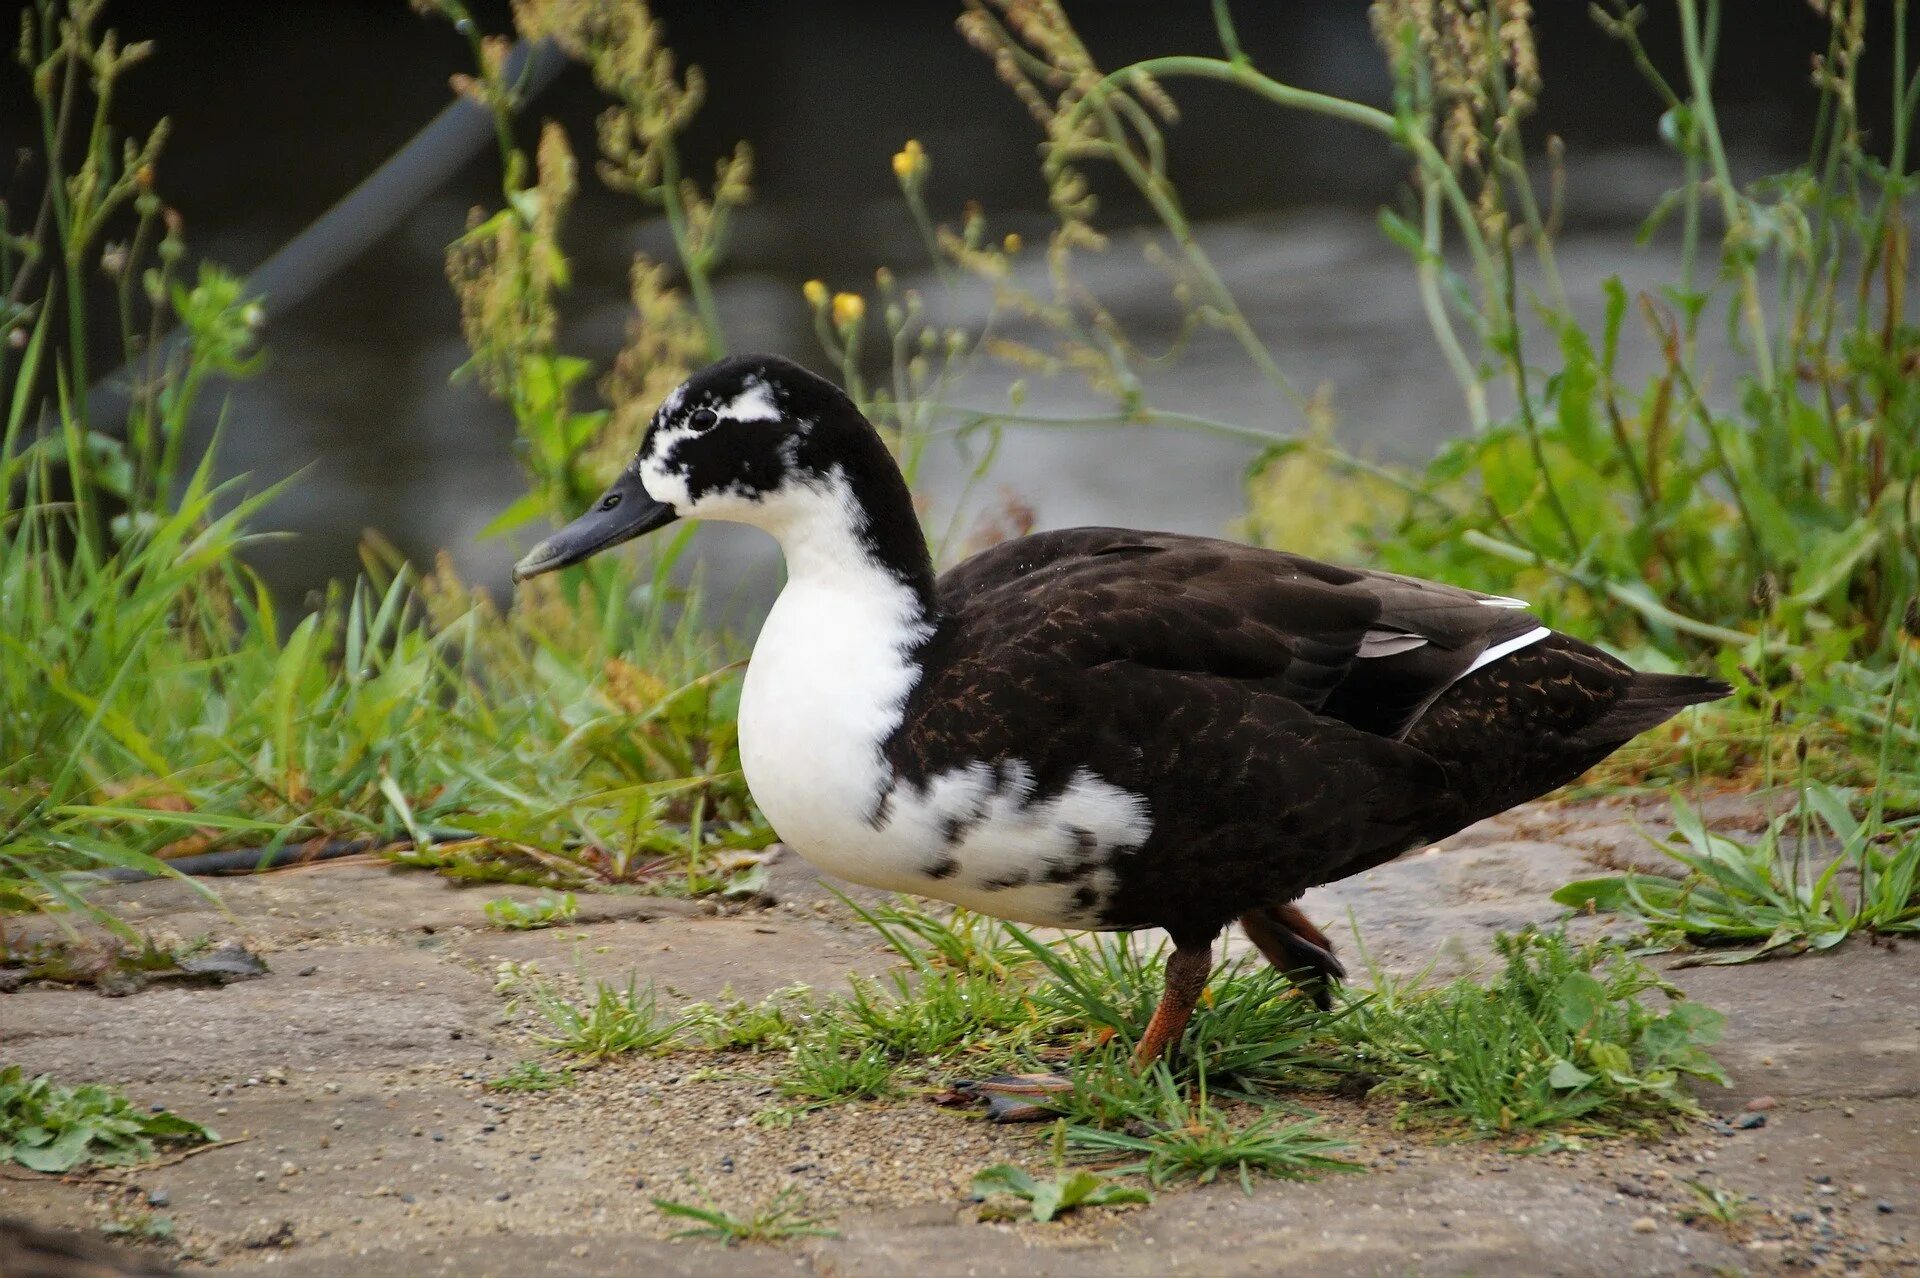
(503, 1195)
(1760, 1104)
(1747, 1122)
(1846, 1111)
(160, 1198)
(1884, 1207)
(308, 970)
(1801, 1218)
(1644, 1225)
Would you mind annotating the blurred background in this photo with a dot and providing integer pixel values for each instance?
(280, 108)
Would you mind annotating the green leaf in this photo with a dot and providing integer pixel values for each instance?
(1566, 1076)
(1002, 1178)
(1611, 1058)
(45, 1158)
(1403, 233)
(524, 510)
(1581, 1000)
(1827, 561)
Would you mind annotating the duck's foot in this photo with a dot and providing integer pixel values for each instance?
(1016, 1098)
(1294, 945)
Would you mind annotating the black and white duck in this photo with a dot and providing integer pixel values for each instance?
(1099, 727)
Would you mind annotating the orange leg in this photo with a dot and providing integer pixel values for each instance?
(1020, 1098)
(1187, 972)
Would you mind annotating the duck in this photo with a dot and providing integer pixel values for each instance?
(1102, 728)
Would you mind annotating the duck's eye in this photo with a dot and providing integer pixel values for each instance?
(703, 419)
(610, 501)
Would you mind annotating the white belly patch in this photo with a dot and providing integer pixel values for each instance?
(979, 837)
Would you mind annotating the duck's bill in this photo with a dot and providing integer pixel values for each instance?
(633, 513)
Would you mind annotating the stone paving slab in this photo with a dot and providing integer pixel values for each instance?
(365, 1143)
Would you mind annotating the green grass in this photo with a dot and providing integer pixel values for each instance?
(609, 1020)
(834, 1064)
(49, 1128)
(780, 1218)
(548, 911)
(1831, 866)
(1179, 1133)
(1561, 1038)
(1048, 1199)
(1569, 1038)
(531, 1076)
(1782, 893)
(155, 700)
(1715, 1205)
(735, 1025)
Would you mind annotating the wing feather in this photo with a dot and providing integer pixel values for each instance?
(1372, 649)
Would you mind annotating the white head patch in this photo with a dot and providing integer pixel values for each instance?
(754, 404)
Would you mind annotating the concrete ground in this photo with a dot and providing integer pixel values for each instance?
(346, 1085)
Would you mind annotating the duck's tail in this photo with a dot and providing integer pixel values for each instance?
(1539, 717)
(1649, 701)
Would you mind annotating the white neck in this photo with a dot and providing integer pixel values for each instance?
(829, 678)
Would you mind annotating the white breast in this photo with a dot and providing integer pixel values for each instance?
(827, 686)
(825, 689)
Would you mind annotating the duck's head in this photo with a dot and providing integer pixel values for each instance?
(758, 440)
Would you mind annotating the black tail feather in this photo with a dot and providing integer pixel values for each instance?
(1650, 700)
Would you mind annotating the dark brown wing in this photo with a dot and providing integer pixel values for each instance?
(1371, 649)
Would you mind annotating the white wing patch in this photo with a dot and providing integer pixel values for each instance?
(1503, 601)
(1501, 649)
(1388, 643)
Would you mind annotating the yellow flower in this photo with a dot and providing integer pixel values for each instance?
(848, 309)
(910, 163)
(1013, 242)
(815, 291)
